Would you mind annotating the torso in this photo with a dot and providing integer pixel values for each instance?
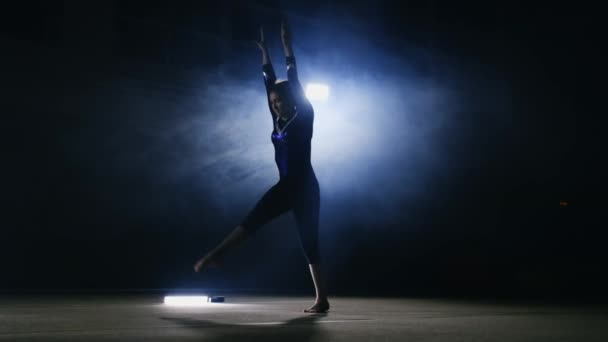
(292, 148)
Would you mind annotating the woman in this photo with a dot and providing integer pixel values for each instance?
(298, 188)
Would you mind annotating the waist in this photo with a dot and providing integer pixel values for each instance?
(302, 173)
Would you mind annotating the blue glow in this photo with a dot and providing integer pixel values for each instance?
(279, 136)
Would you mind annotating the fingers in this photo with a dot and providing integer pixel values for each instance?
(259, 45)
(285, 33)
(284, 25)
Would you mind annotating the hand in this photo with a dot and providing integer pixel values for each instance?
(261, 43)
(285, 33)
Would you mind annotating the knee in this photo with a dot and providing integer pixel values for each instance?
(311, 251)
(313, 257)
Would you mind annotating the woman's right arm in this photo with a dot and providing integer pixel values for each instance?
(267, 69)
(268, 72)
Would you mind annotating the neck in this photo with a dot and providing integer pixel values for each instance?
(286, 117)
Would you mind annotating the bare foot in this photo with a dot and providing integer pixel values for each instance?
(206, 261)
(319, 307)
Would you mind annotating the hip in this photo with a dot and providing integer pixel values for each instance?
(307, 179)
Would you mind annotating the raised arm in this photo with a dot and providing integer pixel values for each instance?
(292, 70)
(267, 69)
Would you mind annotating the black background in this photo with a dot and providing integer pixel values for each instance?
(78, 214)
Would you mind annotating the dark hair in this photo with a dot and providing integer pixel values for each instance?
(282, 88)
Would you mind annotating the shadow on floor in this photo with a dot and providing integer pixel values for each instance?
(299, 329)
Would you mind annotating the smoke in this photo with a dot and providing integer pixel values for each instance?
(133, 152)
(374, 146)
(372, 139)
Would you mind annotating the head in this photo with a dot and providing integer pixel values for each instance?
(281, 100)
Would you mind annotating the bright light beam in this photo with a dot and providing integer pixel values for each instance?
(317, 91)
(185, 300)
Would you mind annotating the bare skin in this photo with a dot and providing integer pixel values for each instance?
(238, 235)
(212, 259)
(321, 303)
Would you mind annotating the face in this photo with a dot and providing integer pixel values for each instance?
(279, 104)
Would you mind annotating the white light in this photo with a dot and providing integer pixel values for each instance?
(185, 300)
(317, 91)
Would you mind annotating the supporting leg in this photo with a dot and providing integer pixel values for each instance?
(321, 302)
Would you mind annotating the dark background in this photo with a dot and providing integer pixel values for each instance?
(120, 168)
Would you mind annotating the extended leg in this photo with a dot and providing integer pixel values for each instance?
(272, 204)
(231, 241)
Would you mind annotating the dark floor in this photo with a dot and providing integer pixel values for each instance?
(264, 318)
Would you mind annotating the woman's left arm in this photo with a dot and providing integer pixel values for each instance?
(292, 70)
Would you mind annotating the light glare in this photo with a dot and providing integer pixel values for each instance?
(317, 91)
(185, 300)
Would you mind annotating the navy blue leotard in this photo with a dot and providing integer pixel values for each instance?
(297, 188)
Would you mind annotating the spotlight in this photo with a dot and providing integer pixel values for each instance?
(317, 91)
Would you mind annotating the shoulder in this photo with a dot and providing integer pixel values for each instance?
(305, 109)
(305, 116)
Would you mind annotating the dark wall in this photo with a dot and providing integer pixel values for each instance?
(93, 197)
